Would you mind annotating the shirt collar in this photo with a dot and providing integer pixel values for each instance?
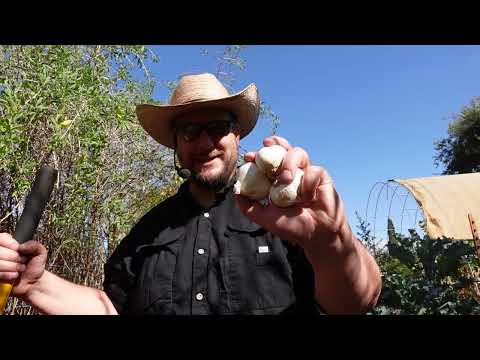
(230, 213)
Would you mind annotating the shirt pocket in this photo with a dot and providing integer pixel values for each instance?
(258, 274)
(153, 293)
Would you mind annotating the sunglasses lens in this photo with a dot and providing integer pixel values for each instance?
(214, 129)
(218, 128)
(191, 132)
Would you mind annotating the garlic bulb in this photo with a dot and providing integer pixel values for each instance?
(269, 158)
(251, 182)
(255, 179)
(284, 195)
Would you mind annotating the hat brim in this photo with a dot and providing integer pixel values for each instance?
(157, 119)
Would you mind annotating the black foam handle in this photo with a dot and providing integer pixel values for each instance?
(35, 204)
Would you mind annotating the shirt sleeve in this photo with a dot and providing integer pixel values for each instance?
(120, 276)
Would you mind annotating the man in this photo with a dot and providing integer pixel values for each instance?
(206, 250)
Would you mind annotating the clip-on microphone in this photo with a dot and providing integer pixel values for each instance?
(182, 172)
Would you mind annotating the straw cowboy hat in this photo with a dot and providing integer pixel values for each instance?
(196, 92)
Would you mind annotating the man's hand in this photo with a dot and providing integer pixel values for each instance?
(21, 264)
(24, 266)
(347, 278)
(320, 210)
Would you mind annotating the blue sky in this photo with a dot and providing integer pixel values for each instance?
(365, 113)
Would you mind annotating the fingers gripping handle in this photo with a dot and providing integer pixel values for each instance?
(32, 212)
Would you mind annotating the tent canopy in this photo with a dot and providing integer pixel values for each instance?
(446, 202)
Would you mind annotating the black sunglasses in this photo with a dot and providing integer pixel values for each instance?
(215, 130)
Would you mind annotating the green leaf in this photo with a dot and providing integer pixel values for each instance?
(65, 123)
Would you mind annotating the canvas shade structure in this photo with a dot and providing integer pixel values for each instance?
(446, 202)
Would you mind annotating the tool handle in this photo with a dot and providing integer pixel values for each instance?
(32, 212)
(5, 289)
(35, 204)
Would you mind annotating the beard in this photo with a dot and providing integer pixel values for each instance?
(218, 182)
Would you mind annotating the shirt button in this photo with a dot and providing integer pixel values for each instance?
(199, 296)
(207, 215)
(201, 251)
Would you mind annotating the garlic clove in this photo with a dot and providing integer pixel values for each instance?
(285, 195)
(251, 182)
(269, 158)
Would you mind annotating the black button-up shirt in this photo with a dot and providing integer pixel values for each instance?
(183, 259)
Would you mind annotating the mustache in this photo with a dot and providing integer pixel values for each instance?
(208, 156)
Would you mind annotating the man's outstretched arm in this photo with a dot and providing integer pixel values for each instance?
(24, 264)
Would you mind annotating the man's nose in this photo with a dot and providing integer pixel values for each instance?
(204, 141)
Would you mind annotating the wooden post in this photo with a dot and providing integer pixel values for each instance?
(476, 241)
(475, 234)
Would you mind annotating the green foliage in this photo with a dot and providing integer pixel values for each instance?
(459, 152)
(73, 107)
(365, 234)
(423, 275)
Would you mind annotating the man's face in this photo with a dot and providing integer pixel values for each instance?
(210, 158)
